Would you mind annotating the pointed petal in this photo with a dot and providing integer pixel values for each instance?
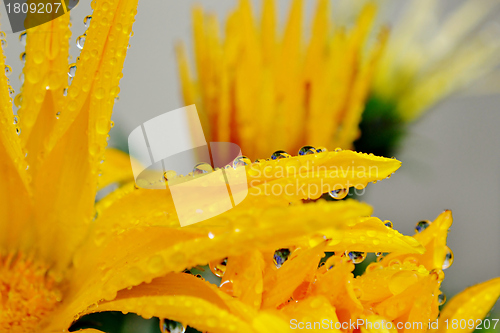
(75, 148)
(286, 279)
(243, 278)
(473, 303)
(372, 235)
(186, 299)
(433, 239)
(15, 201)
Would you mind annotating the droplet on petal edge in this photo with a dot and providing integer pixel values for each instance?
(355, 256)
(280, 256)
(171, 326)
(339, 194)
(422, 225)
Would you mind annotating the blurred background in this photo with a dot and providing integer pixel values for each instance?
(450, 157)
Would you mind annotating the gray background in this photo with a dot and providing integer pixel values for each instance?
(450, 157)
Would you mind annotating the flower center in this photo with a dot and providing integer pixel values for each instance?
(27, 293)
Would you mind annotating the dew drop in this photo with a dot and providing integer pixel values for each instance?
(339, 194)
(422, 225)
(279, 154)
(441, 298)
(18, 131)
(8, 70)
(80, 41)
(16, 120)
(307, 150)
(321, 150)
(65, 91)
(202, 168)
(86, 21)
(72, 70)
(378, 254)
(388, 224)
(22, 56)
(171, 326)
(22, 38)
(280, 256)
(241, 161)
(58, 114)
(112, 124)
(218, 267)
(3, 42)
(338, 149)
(448, 259)
(356, 256)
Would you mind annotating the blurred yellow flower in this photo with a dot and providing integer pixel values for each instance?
(263, 91)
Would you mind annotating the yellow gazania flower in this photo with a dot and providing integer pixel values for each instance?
(253, 82)
(62, 257)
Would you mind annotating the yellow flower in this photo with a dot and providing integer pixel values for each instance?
(254, 82)
(63, 256)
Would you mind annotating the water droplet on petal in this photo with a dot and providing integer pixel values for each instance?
(279, 154)
(16, 120)
(307, 150)
(241, 161)
(280, 256)
(171, 326)
(388, 224)
(22, 37)
(65, 91)
(441, 298)
(58, 114)
(338, 149)
(8, 70)
(202, 168)
(18, 131)
(86, 21)
(339, 194)
(422, 225)
(3, 42)
(448, 259)
(356, 256)
(80, 41)
(378, 254)
(218, 267)
(72, 70)
(22, 56)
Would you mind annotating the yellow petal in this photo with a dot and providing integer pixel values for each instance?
(186, 299)
(15, 203)
(415, 305)
(312, 309)
(371, 235)
(65, 195)
(243, 278)
(116, 168)
(472, 304)
(291, 275)
(433, 238)
(130, 255)
(342, 296)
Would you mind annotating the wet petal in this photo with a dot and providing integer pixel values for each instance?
(433, 238)
(75, 147)
(473, 303)
(15, 203)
